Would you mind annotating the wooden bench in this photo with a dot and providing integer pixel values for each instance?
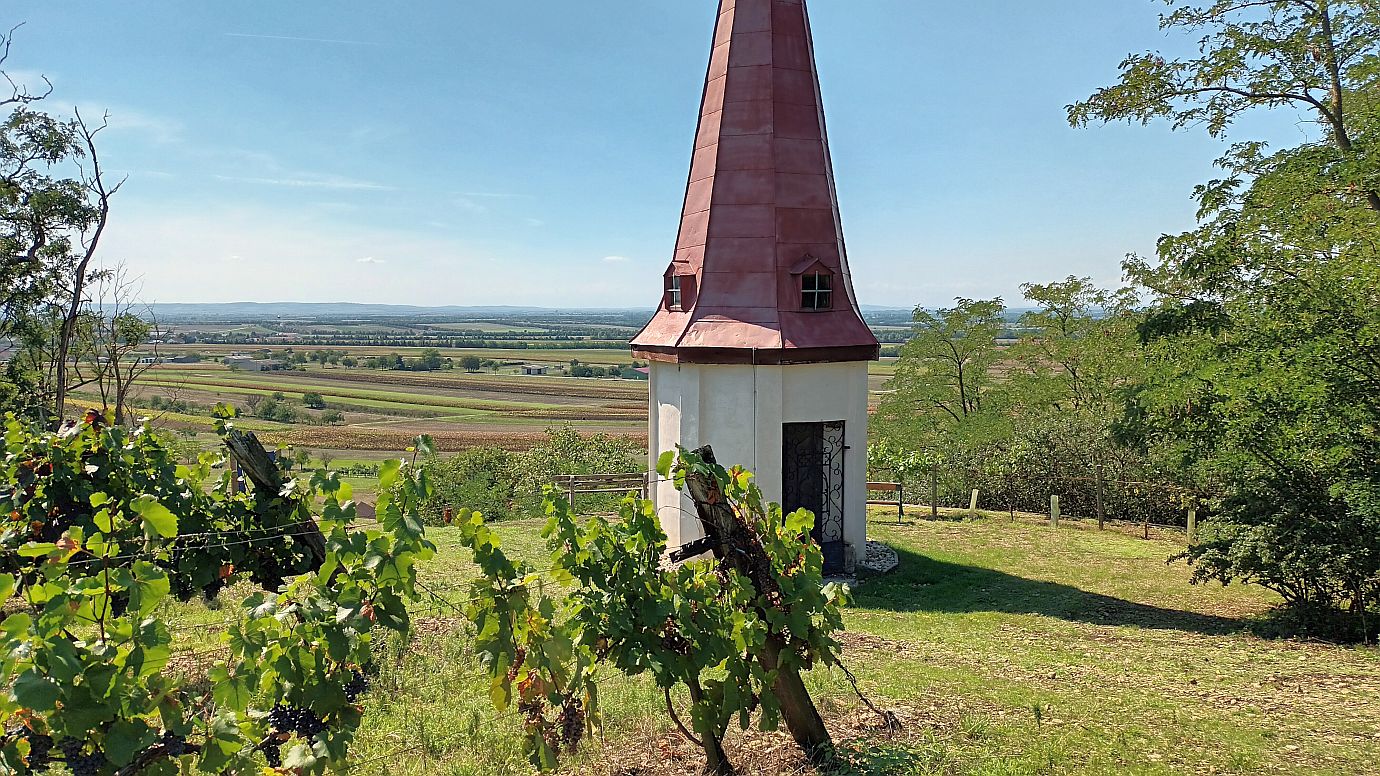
(574, 484)
(889, 487)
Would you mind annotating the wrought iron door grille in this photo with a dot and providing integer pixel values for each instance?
(813, 479)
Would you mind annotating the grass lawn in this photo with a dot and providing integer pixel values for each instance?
(1003, 648)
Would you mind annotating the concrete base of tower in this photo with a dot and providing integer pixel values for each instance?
(802, 429)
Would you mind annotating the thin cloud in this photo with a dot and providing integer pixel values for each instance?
(321, 182)
(371, 260)
(465, 203)
(615, 259)
(125, 119)
(296, 39)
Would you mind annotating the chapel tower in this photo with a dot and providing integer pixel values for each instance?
(758, 347)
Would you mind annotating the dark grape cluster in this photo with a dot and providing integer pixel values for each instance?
(673, 641)
(572, 722)
(286, 718)
(174, 744)
(268, 572)
(273, 754)
(78, 761)
(40, 747)
(357, 686)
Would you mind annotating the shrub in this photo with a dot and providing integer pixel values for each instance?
(504, 484)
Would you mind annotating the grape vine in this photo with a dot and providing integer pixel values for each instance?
(104, 527)
(611, 601)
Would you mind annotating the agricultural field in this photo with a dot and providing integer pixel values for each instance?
(383, 409)
(1001, 647)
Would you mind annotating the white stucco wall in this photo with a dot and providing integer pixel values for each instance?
(739, 410)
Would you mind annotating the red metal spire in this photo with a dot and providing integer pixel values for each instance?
(761, 228)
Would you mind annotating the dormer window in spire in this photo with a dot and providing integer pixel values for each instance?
(816, 284)
(674, 292)
(817, 291)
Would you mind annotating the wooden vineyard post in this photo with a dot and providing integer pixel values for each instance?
(737, 546)
(234, 475)
(1101, 510)
(1147, 525)
(1192, 523)
(263, 471)
(934, 492)
(972, 504)
(1053, 511)
(1011, 494)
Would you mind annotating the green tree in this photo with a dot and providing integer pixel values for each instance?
(313, 401)
(944, 375)
(54, 208)
(1082, 350)
(1264, 325)
(1317, 56)
(471, 363)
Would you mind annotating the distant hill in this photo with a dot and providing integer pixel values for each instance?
(255, 311)
(259, 311)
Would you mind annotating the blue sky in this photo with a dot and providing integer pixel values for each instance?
(442, 152)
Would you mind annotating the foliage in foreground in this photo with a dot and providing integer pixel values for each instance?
(103, 527)
(702, 625)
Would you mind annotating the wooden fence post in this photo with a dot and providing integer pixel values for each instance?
(972, 504)
(934, 492)
(1192, 523)
(1101, 510)
(1053, 511)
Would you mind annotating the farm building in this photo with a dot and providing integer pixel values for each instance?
(246, 364)
(535, 369)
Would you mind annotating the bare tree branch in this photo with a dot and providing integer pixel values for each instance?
(19, 93)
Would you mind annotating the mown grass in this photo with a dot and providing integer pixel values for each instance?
(1005, 648)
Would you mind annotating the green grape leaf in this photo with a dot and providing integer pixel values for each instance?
(222, 745)
(425, 445)
(64, 664)
(299, 757)
(155, 515)
(127, 738)
(665, 462)
(800, 521)
(150, 586)
(35, 691)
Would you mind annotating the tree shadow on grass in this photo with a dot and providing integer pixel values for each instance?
(922, 584)
(862, 758)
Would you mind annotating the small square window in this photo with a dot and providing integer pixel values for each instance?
(673, 292)
(817, 291)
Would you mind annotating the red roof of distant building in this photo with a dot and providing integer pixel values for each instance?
(761, 210)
